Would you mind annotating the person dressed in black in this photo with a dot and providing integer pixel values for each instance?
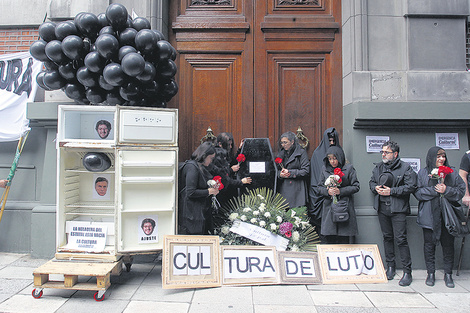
(430, 190)
(463, 172)
(224, 166)
(294, 170)
(338, 232)
(330, 138)
(392, 182)
(195, 205)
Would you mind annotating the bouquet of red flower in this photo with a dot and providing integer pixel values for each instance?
(441, 173)
(241, 158)
(279, 162)
(334, 181)
(215, 182)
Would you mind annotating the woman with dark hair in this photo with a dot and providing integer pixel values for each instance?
(330, 138)
(195, 211)
(222, 166)
(430, 190)
(337, 231)
(292, 179)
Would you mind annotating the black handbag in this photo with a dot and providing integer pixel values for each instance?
(455, 218)
(340, 210)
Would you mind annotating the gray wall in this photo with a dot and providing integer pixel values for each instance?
(404, 76)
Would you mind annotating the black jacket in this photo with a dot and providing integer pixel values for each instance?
(404, 183)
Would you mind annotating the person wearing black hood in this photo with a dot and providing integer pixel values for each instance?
(392, 182)
(330, 138)
(337, 232)
(430, 189)
(294, 170)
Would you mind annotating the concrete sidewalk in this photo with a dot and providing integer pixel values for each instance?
(140, 290)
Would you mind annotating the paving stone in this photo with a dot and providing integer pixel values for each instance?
(226, 294)
(398, 299)
(340, 298)
(25, 303)
(281, 294)
(450, 302)
(156, 307)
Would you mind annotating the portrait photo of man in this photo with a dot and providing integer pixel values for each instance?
(103, 128)
(148, 232)
(101, 187)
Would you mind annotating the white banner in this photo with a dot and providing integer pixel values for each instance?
(18, 86)
(259, 235)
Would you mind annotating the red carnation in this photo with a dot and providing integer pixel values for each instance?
(241, 158)
(279, 161)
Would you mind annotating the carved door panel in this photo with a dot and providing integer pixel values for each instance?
(256, 68)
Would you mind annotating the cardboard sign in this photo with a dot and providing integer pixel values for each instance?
(249, 265)
(259, 234)
(351, 264)
(299, 268)
(86, 236)
(190, 262)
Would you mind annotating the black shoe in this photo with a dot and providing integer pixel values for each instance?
(431, 279)
(406, 279)
(449, 281)
(390, 272)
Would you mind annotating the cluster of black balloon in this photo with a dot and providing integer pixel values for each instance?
(107, 59)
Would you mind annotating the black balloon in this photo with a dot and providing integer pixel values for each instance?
(73, 47)
(116, 14)
(96, 161)
(103, 84)
(86, 77)
(148, 74)
(95, 95)
(169, 90)
(47, 31)
(133, 64)
(140, 23)
(146, 41)
(164, 49)
(125, 50)
(64, 29)
(159, 34)
(53, 80)
(130, 91)
(150, 89)
(166, 68)
(40, 80)
(108, 30)
(127, 37)
(113, 98)
(67, 71)
(38, 50)
(50, 65)
(75, 91)
(107, 46)
(94, 62)
(102, 20)
(89, 25)
(173, 53)
(54, 52)
(114, 75)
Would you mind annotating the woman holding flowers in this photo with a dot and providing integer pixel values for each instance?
(195, 198)
(437, 180)
(294, 164)
(338, 182)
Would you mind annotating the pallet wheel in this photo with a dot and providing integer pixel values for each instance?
(98, 296)
(37, 293)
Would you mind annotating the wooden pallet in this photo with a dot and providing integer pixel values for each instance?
(71, 270)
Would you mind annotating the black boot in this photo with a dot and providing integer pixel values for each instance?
(405, 280)
(431, 279)
(448, 280)
(390, 272)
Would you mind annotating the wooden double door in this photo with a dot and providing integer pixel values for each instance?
(256, 68)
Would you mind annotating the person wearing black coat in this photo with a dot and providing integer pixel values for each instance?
(292, 179)
(338, 232)
(195, 203)
(315, 202)
(430, 190)
(392, 182)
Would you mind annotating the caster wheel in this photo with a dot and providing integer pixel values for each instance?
(128, 267)
(99, 299)
(36, 294)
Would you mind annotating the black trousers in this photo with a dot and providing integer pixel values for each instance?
(447, 243)
(393, 227)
